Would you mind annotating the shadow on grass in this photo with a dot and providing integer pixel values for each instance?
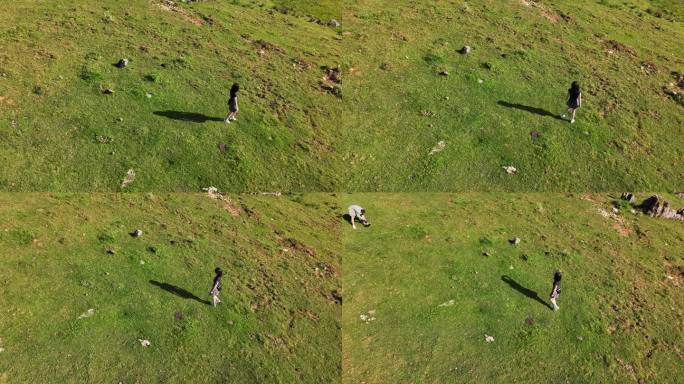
(525, 291)
(527, 108)
(187, 116)
(178, 291)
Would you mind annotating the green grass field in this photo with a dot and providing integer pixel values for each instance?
(629, 133)
(278, 323)
(60, 132)
(422, 273)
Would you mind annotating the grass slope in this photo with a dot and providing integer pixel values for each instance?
(620, 316)
(278, 323)
(59, 132)
(629, 133)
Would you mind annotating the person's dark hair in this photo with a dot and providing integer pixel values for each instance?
(363, 211)
(575, 89)
(234, 89)
(218, 271)
(557, 276)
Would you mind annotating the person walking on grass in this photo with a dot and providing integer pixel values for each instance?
(574, 101)
(357, 212)
(233, 103)
(216, 288)
(555, 291)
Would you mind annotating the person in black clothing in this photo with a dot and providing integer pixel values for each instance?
(216, 287)
(574, 100)
(233, 103)
(555, 291)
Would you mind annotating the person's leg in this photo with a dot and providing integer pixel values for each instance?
(213, 299)
(574, 110)
(554, 306)
(228, 118)
(232, 115)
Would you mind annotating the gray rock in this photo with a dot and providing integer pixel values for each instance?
(122, 63)
(334, 23)
(136, 233)
(465, 50)
(627, 196)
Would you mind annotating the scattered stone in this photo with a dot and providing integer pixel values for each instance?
(438, 148)
(524, 257)
(510, 169)
(514, 241)
(334, 23)
(148, 95)
(144, 343)
(128, 179)
(627, 196)
(87, 313)
(480, 81)
(367, 317)
(120, 119)
(103, 139)
(486, 65)
(485, 253)
(179, 315)
(465, 50)
(488, 338)
(444, 73)
(108, 91)
(448, 303)
(222, 148)
(136, 233)
(231, 322)
(658, 207)
(648, 67)
(535, 134)
(121, 63)
(152, 249)
(111, 251)
(2, 350)
(510, 267)
(142, 262)
(427, 113)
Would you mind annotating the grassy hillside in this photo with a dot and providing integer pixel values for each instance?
(435, 273)
(511, 87)
(278, 323)
(60, 132)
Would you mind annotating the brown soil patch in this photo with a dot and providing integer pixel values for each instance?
(7, 101)
(613, 46)
(171, 6)
(547, 13)
(619, 222)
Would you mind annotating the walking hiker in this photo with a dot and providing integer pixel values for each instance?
(357, 212)
(555, 291)
(216, 288)
(233, 103)
(574, 100)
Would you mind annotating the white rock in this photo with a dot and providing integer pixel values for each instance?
(488, 338)
(144, 343)
(87, 313)
(510, 169)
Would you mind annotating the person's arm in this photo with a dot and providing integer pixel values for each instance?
(580, 100)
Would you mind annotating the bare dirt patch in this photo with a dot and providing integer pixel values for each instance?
(171, 6)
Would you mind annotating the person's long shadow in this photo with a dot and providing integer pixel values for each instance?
(193, 117)
(525, 291)
(178, 291)
(527, 108)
